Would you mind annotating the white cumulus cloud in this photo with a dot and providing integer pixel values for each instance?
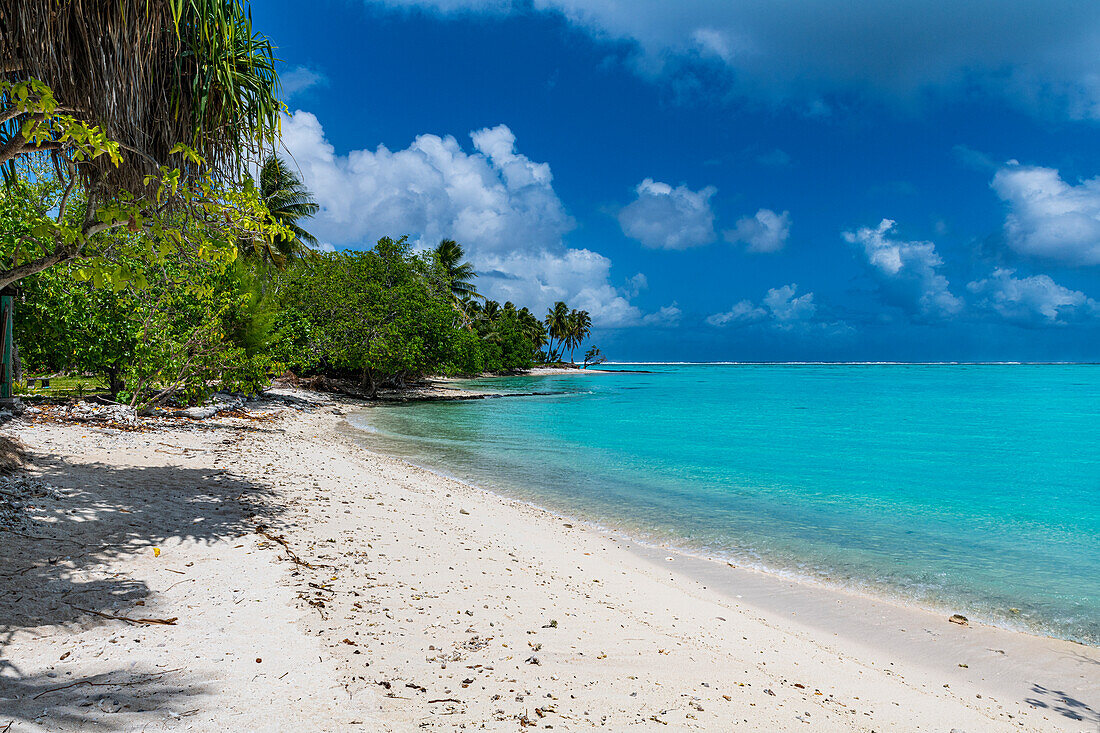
(766, 231)
(500, 205)
(907, 272)
(1036, 300)
(663, 217)
(1049, 217)
(667, 316)
(780, 308)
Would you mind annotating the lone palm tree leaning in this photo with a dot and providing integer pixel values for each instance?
(289, 201)
(593, 356)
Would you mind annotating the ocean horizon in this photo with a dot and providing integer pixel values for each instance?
(971, 488)
(602, 366)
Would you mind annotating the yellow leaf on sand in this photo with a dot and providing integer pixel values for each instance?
(156, 552)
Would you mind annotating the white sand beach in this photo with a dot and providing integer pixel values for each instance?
(313, 586)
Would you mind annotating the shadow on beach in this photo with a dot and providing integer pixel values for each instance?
(1061, 703)
(56, 573)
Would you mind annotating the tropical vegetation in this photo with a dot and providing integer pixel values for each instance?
(569, 327)
(152, 240)
(289, 202)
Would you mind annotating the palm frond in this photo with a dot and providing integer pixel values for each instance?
(289, 201)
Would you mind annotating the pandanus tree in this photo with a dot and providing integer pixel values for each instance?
(146, 111)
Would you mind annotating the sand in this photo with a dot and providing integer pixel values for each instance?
(403, 600)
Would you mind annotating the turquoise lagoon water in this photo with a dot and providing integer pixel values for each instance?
(973, 488)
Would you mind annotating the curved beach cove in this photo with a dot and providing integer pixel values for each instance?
(968, 488)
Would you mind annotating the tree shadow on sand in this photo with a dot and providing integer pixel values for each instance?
(55, 571)
(120, 700)
(1063, 704)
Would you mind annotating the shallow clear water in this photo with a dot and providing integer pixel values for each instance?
(974, 488)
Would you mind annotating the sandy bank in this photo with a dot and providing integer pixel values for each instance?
(417, 602)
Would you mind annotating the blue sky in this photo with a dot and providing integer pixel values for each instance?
(724, 181)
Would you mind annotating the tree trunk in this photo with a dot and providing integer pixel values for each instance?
(114, 381)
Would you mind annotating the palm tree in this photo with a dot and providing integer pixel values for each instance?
(491, 310)
(532, 329)
(459, 274)
(289, 201)
(578, 324)
(557, 325)
(471, 308)
(593, 356)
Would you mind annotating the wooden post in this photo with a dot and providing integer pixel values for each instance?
(6, 305)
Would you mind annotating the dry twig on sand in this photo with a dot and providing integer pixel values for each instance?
(131, 683)
(262, 530)
(128, 619)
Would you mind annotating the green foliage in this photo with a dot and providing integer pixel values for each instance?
(593, 356)
(61, 220)
(193, 327)
(379, 315)
(62, 324)
(289, 202)
(505, 333)
(389, 315)
(166, 312)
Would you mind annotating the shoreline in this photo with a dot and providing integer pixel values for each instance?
(699, 559)
(831, 608)
(424, 601)
(855, 587)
